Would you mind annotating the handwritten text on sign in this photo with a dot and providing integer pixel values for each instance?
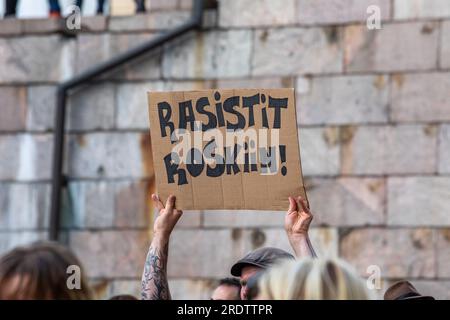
(226, 141)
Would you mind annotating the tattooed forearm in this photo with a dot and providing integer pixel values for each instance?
(154, 278)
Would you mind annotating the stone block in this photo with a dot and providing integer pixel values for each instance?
(343, 100)
(24, 207)
(378, 150)
(320, 151)
(213, 54)
(26, 157)
(443, 252)
(132, 104)
(161, 20)
(420, 97)
(347, 202)
(14, 108)
(108, 155)
(250, 13)
(111, 254)
(10, 240)
(339, 11)
(419, 201)
(297, 51)
(41, 108)
(36, 59)
(399, 253)
(445, 45)
(419, 9)
(92, 108)
(374, 50)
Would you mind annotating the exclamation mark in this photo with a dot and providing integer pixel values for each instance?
(283, 160)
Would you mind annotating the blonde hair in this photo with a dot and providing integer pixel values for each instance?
(313, 279)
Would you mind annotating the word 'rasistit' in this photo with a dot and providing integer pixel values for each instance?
(215, 113)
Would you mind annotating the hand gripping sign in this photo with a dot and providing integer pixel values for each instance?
(226, 149)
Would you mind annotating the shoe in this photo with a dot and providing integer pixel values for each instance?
(55, 14)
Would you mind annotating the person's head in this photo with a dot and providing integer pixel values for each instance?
(256, 261)
(404, 290)
(228, 289)
(312, 279)
(40, 272)
(123, 297)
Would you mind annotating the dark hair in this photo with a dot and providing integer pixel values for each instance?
(39, 272)
(234, 282)
(123, 297)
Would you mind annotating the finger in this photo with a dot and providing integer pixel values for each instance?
(157, 203)
(303, 204)
(179, 213)
(292, 205)
(170, 203)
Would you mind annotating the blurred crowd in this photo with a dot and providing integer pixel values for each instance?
(40, 271)
(55, 8)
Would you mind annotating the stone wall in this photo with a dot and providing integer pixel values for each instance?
(374, 124)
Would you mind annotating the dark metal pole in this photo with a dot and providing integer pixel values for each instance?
(57, 171)
(58, 179)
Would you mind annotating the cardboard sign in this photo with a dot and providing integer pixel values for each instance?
(226, 149)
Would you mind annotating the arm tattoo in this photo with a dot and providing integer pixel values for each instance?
(154, 278)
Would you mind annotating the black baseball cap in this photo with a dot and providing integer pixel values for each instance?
(262, 258)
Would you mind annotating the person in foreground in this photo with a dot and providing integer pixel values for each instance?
(296, 223)
(312, 279)
(404, 290)
(228, 289)
(154, 278)
(40, 272)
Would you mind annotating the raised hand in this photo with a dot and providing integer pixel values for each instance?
(298, 217)
(168, 216)
(296, 223)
